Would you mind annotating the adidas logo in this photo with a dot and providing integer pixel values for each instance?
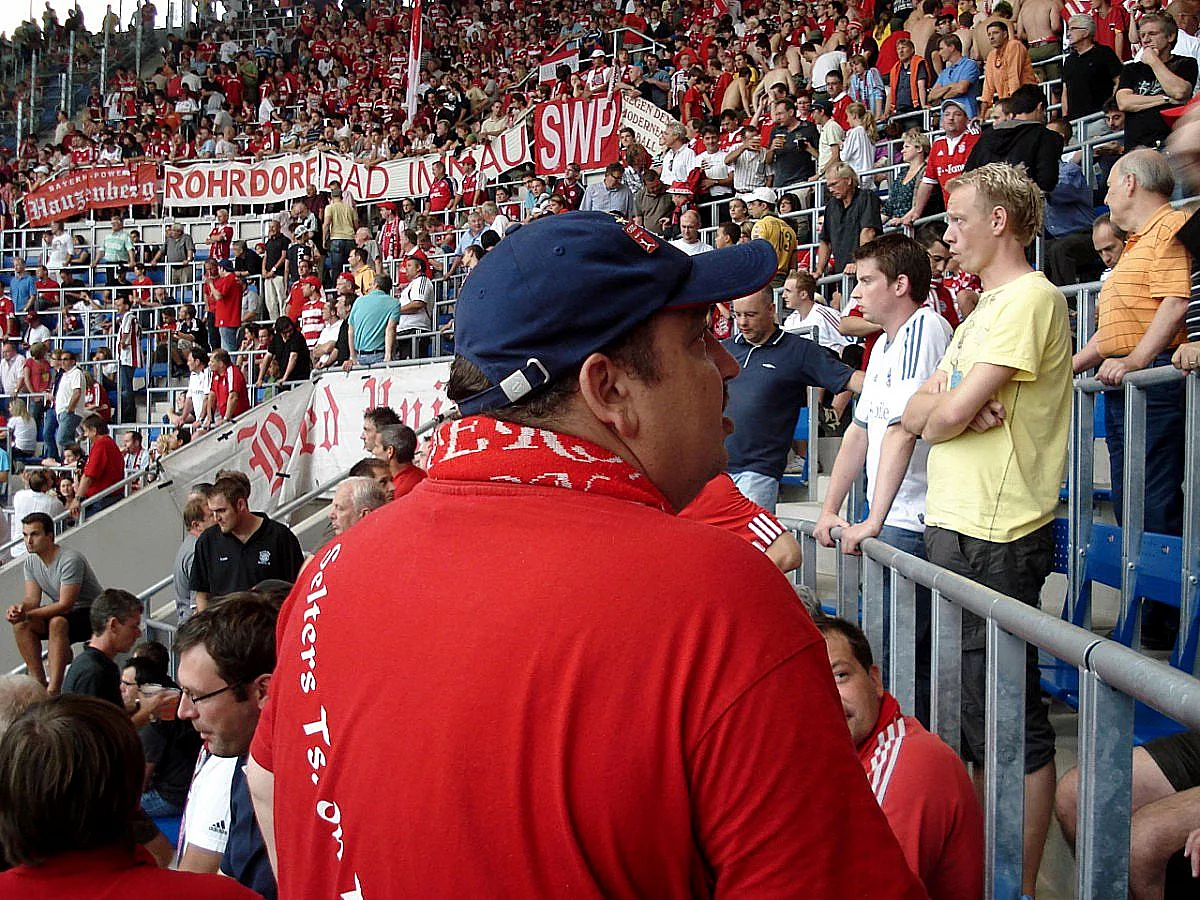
(218, 828)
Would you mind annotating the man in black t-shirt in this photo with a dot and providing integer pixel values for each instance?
(1161, 80)
(116, 623)
(287, 350)
(1089, 70)
(792, 149)
(273, 263)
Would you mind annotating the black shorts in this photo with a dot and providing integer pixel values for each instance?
(79, 624)
(1178, 756)
(1017, 569)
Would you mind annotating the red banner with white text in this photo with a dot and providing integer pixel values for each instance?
(96, 187)
(287, 177)
(576, 131)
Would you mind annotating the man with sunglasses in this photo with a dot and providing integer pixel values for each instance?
(226, 655)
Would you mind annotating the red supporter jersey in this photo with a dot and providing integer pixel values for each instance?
(233, 381)
(105, 466)
(441, 194)
(312, 319)
(721, 504)
(7, 315)
(405, 480)
(219, 240)
(944, 164)
(924, 790)
(228, 309)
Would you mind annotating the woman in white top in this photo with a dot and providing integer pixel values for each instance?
(858, 147)
(416, 307)
(22, 430)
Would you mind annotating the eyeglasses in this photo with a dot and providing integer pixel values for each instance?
(196, 701)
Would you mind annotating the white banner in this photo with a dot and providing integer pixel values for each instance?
(288, 177)
(308, 435)
(646, 120)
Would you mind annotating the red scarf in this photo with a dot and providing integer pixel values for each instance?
(479, 448)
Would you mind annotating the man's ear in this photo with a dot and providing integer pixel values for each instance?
(605, 387)
(259, 688)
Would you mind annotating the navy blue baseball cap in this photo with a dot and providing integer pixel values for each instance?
(564, 286)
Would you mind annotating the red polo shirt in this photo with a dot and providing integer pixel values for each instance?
(105, 466)
(231, 382)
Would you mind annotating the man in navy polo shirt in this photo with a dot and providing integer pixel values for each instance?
(767, 395)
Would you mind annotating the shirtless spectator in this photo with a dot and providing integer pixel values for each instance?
(1039, 26)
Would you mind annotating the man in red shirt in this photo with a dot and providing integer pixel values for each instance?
(105, 466)
(297, 295)
(947, 158)
(48, 294)
(396, 446)
(696, 746)
(443, 196)
(223, 296)
(231, 397)
(920, 783)
(721, 504)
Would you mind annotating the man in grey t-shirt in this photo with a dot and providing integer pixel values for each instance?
(196, 518)
(64, 576)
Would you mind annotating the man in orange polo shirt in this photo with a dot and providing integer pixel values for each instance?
(1141, 315)
(1007, 66)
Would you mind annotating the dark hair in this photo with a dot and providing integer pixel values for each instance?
(951, 40)
(997, 23)
(804, 282)
(71, 772)
(113, 603)
(384, 283)
(367, 467)
(153, 652)
(96, 423)
(929, 234)
(859, 645)
(614, 169)
(731, 231)
(238, 632)
(39, 518)
(1106, 219)
(1026, 99)
(231, 488)
(37, 480)
(379, 416)
(146, 671)
(635, 351)
(898, 254)
(401, 439)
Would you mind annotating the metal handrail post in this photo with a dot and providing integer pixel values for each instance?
(1004, 763)
(1189, 600)
(1105, 788)
(1133, 516)
(811, 490)
(67, 102)
(902, 659)
(1082, 479)
(873, 612)
(945, 683)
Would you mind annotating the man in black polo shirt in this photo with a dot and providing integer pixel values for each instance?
(767, 395)
(274, 262)
(116, 623)
(851, 219)
(289, 351)
(1090, 70)
(243, 548)
(792, 149)
(1161, 80)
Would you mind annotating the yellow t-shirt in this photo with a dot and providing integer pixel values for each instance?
(1003, 484)
(341, 221)
(779, 235)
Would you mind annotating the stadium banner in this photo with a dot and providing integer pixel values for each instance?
(308, 435)
(646, 121)
(260, 443)
(331, 433)
(548, 67)
(576, 131)
(96, 187)
(288, 177)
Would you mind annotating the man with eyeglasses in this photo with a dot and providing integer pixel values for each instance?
(226, 656)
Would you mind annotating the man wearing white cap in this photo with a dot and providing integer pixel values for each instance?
(598, 79)
(760, 202)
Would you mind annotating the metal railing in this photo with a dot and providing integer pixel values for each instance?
(1111, 678)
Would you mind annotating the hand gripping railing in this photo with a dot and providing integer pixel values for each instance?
(1111, 678)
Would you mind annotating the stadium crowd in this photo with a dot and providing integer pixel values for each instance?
(837, 135)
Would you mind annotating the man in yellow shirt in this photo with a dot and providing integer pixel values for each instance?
(772, 229)
(340, 223)
(997, 415)
(363, 274)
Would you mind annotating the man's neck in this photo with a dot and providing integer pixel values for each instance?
(1144, 209)
(101, 643)
(803, 308)
(47, 556)
(246, 527)
(766, 340)
(1084, 46)
(1007, 265)
(896, 319)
